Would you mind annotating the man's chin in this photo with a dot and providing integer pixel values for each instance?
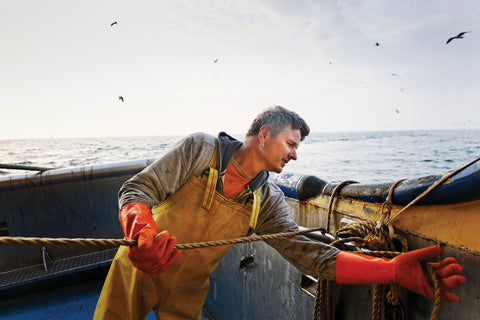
(278, 170)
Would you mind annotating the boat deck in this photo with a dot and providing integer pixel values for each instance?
(71, 302)
(63, 291)
(35, 275)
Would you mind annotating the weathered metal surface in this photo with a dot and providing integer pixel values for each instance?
(455, 225)
(65, 203)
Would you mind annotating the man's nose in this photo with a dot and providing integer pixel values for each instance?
(293, 154)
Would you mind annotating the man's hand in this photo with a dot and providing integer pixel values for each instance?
(410, 274)
(405, 270)
(154, 252)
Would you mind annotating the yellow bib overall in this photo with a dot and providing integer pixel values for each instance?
(195, 213)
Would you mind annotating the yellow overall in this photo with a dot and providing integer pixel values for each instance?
(195, 213)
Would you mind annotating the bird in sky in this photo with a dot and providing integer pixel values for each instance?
(459, 36)
(215, 61)
(397, 111)
(377, 44)
(113, 23)
(121, 98)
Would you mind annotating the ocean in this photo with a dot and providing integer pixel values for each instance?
(366, 157)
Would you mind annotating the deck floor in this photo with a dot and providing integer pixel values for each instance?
(72, 302)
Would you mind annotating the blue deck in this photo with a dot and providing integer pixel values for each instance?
(76, 301)
(72, 302)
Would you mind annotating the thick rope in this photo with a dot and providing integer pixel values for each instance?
(324, 305)
(436, 290)
(387, 205)
(332, 197)
(123, 242)
(66, 241)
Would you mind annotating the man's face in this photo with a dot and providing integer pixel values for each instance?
(277, 151)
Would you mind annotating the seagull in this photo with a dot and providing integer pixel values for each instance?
(113, 23)
(120, 98)
(459, 36)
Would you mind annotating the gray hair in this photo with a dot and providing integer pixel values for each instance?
(277, 119)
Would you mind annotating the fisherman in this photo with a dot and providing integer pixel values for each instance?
(208, 188)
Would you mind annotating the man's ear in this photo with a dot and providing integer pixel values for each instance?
(263, 134)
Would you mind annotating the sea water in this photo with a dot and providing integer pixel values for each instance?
(366, 157)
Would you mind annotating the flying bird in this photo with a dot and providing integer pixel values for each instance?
(120, 98)
(459, 36)
(397, 111)
(377, 44)
(215, 61)
(113, 23)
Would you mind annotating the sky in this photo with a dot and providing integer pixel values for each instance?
(188, 66)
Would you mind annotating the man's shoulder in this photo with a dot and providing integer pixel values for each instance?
(199, 140)
(202, 137)
(271, 190)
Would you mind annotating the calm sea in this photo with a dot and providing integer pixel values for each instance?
(366, 157)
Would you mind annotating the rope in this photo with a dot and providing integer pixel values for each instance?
(66, 241)
(123, 242)
(324, 305)
(332, 197)
(436, 290)
(387, 205)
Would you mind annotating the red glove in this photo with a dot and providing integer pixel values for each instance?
(154, 253)
(405, 270)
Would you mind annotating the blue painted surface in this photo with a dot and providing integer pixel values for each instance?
(462, 187)
(73, 302)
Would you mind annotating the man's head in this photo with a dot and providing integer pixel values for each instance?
(277, 119)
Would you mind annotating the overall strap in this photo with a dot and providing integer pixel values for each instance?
(255, 208)
(212, 184)
(212, 179)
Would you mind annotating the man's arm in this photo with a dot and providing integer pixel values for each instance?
(310, 257)
(187, 158)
